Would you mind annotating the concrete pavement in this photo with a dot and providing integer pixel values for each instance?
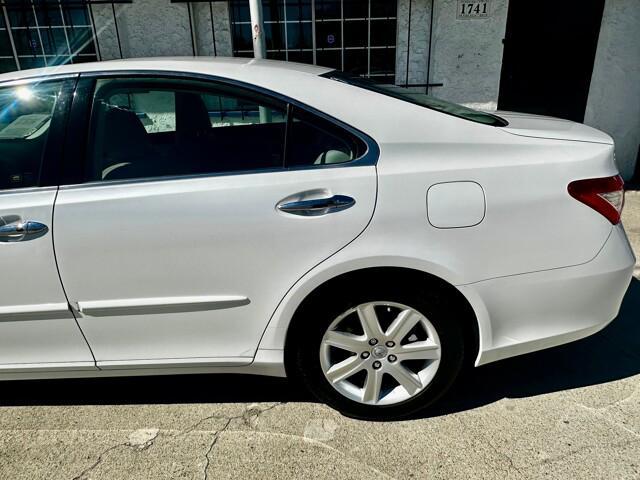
(569, 412)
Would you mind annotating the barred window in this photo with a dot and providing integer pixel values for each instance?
(37, 34)
(357, 36)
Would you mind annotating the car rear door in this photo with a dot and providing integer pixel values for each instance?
(37, 329)
(182, 227)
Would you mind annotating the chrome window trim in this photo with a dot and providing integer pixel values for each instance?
(195, 176)
(368, 158)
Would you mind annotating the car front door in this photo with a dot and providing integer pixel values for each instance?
(187, 227)
(37, 329)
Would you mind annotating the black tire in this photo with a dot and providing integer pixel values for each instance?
(304, 348)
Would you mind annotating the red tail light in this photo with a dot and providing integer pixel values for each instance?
(604, 195)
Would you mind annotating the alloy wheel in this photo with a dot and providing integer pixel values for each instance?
(380, 353)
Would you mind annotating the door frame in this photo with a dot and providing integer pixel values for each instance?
(76, 138)
(52, 155)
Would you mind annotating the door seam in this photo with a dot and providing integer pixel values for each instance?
(64, 291)
(273, 313)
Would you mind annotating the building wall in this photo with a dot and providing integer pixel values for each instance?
(466, 54)
(414, 37)
(202, 19)
(159, 28)
(614, 95)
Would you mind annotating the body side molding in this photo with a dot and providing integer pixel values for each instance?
(144, 306)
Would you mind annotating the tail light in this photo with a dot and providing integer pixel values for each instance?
(604, 195)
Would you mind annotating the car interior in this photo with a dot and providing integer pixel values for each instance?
(22, 138)
(200, 140)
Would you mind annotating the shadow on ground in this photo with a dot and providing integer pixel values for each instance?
(612, 354)
(609, 355)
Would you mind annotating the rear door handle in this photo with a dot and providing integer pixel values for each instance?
(21, 231)
(317, 206)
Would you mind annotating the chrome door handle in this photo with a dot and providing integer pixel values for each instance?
(317, 206)
(20, 231)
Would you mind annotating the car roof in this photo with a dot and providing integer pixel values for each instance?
(233, 67)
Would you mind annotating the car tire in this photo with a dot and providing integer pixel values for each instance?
(308, 355)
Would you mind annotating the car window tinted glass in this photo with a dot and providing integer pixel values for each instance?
(315, 141)
(419, 98)
(158, 127)
(25, 116)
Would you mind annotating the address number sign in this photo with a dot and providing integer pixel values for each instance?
(473, 9)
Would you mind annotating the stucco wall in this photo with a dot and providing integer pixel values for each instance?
(416, 39)
(614, 96)
(161, 28)
(202, 20)
(106, 30)
(466, 54)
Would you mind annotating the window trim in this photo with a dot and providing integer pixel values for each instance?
(75, 156)
(52, 154)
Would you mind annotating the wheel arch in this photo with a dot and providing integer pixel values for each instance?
(288, 318)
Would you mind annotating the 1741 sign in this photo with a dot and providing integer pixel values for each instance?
(473, 9)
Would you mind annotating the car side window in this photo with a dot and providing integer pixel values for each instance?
(313, 140)
(25, 117)
(157, 127)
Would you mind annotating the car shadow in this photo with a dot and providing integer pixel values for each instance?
(612, 354)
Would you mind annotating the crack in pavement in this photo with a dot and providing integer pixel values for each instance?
(246, 415)
(83, 475)
(249, 415)
(217, 416)
(129, 444)
(213, 444)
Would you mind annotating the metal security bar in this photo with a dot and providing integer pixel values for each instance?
(40, 33)
(191, 27)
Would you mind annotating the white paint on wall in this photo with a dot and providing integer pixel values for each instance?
(150, 28)
(614, 95)
(105, 25)
(415, 38)
(221, 28)
(466, 53)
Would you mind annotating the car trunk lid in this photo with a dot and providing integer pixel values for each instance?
(538, 126)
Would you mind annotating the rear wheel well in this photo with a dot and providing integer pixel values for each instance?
(461, 309)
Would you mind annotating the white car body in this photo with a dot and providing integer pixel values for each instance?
(204, 274)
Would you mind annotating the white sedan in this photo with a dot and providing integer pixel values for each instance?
(165, 216)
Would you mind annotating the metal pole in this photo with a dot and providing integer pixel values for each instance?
(213, 30)
(259, 49)
(194, 47)
(257, 30)
(10, 33)
(433, 6)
